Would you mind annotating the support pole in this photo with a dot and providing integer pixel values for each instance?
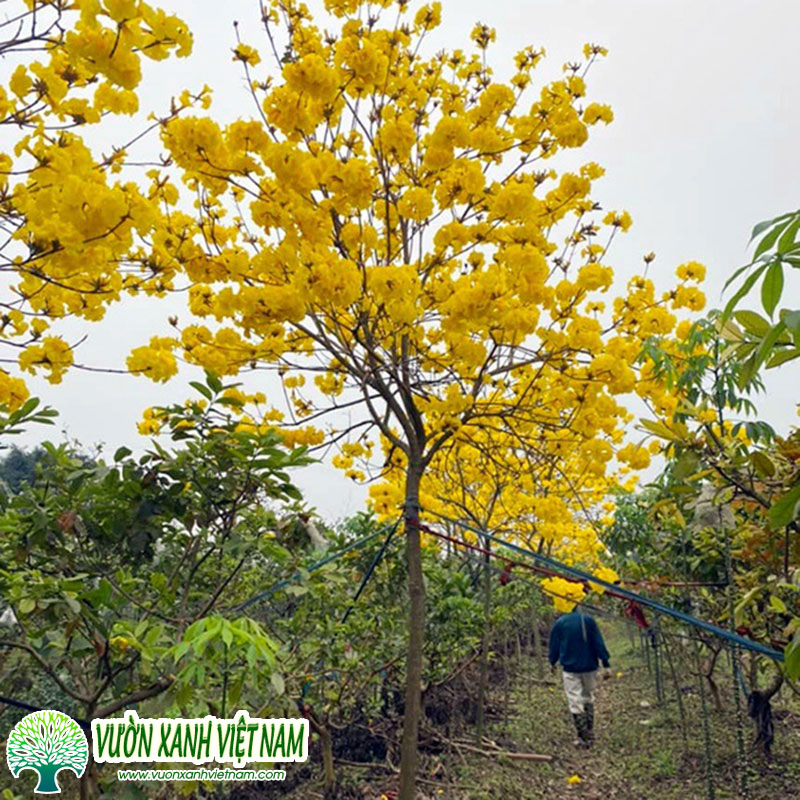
(710, 795)
(678, 692)
(655, 641)
(537, 641)
(733, 654)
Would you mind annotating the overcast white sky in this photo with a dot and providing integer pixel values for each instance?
(703, 146)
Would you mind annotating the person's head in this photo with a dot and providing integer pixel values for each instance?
(580, 608)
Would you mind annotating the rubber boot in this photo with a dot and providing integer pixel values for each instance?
(581, 728)
(588, 713)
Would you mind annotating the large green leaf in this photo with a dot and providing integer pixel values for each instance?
(783, 511)
(782, 356)
(788, 237)
(686, 465)
(768, 223)
(763, 354)
(658, 428)
(752, 322)
(772, 287)
(768, 241)
(746, 286)
(762, 462)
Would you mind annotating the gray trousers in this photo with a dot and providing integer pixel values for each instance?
(579, 688)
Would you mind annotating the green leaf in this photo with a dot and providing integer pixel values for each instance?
(746, 601)
(783, 511)
(772, 287)
(777, 604)
(792, 658)
(750, 367)
(685, 466)
(214, 383)
(658, 428)
(277, 682)
(101, 595)
(783, 356)
(787, 240)
(199, 387)
(768, 223)
(73, 604)
(762, 463)
(746, 286)
(28, 407)
(26, 605)
(122, 452)
(227, 635)
(752, 322)
(180, 650)
(769, 239)
(792, 320)
(736, 274)
(230, 401)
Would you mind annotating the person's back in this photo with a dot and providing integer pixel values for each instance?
(577, 644)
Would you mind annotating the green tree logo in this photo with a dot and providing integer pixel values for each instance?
(47, 741)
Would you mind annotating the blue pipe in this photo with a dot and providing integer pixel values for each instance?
(748, 644)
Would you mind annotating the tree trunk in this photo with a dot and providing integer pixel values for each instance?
(483, 680)
(326, 743)
(89, 781)
(416, 637)
(326, 746)
(712, 685)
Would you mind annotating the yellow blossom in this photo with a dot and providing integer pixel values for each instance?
(245, 53)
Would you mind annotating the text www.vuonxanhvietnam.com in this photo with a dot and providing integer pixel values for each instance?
(201, 774)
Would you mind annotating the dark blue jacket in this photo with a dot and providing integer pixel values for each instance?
(576, 641)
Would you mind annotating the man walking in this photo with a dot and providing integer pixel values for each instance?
(576, 642)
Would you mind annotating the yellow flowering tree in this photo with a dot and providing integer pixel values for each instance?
(389, 226)
(74, 237)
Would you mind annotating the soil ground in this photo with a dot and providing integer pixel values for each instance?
(639, 752)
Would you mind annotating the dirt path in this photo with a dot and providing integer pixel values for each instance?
(639, 751)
